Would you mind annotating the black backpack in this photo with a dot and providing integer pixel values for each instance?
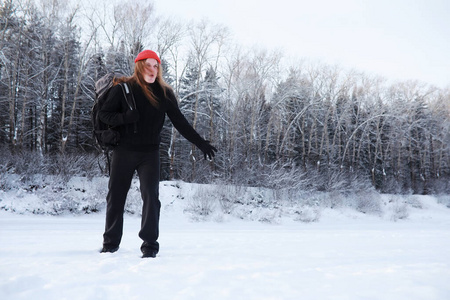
(106, 136)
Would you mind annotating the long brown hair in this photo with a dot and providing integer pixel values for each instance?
(138, 78)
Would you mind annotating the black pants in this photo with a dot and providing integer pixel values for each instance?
(123, 165)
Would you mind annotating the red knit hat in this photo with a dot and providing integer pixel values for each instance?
(147, 54)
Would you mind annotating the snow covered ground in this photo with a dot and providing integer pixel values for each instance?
(343, 255)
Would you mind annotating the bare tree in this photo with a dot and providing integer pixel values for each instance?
(205, 41)
(136, 23)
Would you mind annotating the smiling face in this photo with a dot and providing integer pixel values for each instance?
(151, 70)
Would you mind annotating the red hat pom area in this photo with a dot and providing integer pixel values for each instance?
(147, 54)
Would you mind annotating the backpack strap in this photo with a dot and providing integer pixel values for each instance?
(129, 98)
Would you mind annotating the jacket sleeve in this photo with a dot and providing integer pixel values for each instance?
(111, 112)
(180, 123)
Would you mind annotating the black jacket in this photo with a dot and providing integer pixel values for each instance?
(145, 134)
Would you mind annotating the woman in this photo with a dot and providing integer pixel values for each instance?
(138, 149)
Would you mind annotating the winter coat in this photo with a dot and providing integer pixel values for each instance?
(145, 134)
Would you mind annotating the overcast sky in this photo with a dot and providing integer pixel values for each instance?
(397, 39)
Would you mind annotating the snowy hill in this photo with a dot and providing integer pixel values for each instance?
(80, 195)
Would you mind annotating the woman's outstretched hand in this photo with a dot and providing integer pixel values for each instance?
(208, 150)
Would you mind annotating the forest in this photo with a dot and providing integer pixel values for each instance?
(279, 123)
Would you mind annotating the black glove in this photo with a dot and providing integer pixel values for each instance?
(208, 150)
(131, 116)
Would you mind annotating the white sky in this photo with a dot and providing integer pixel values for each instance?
(397, 39)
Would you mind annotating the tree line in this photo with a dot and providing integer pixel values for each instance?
(303, 125)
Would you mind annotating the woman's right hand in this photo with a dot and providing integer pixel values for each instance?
(130, 116)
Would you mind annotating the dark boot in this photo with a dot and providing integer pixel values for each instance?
(149, 253)
(109, 249)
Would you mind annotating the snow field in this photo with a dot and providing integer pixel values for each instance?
(344, 256)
